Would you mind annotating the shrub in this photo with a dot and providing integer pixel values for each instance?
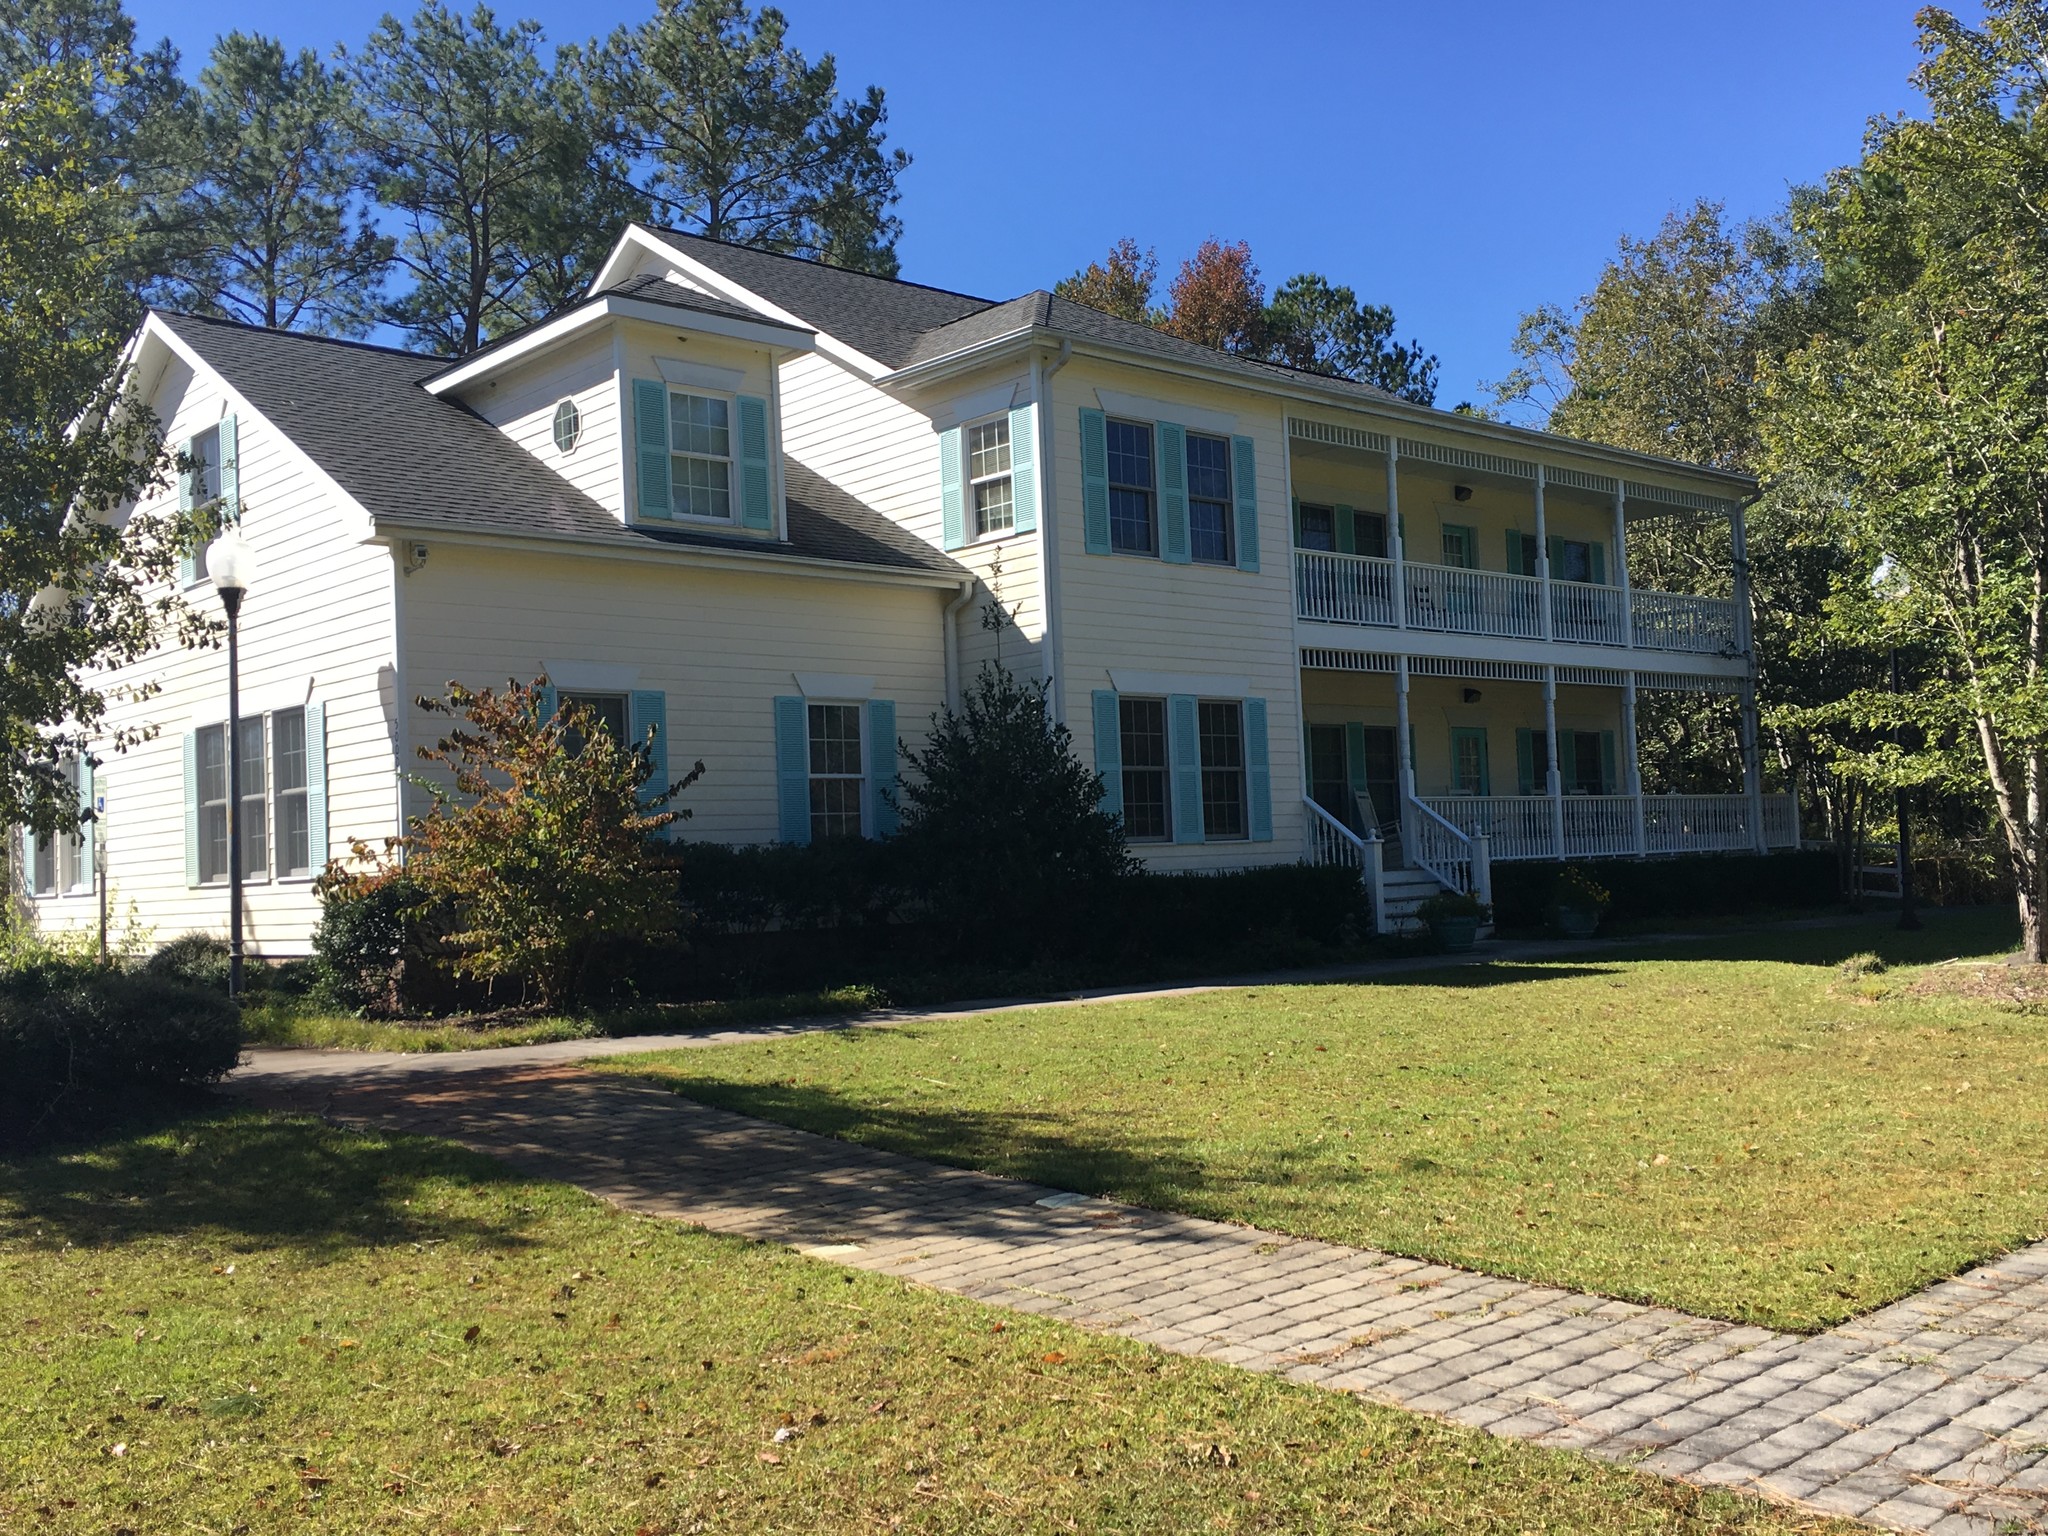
(1856, 967)
(1578, 891)
(1453, 906)
(1278, 912)
(1003, 829)
(1691, 885)
(73, 1031)
(198, 959)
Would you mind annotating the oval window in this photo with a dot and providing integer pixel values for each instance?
(568, 426)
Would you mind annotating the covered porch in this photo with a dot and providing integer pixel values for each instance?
(1503, 761)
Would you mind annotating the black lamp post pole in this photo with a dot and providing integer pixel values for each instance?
(1909, 916)
(231, 599)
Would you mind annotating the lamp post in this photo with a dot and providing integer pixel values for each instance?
(231, 564)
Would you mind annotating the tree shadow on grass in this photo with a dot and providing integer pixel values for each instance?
(256, 1179)
(1472, 976)
(1946, 935)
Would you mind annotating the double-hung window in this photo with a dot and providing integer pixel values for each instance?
(1147, 803)
(700, 455)
(989, 475)
(1222, 746)
(275, 824)
(1315, 527)
(837, 777)
(294, 831)
(1133, 522)
(606, 710)
(59, 865)
(1209, 530)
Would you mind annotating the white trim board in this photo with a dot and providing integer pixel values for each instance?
(593, 676)
(703, 375)
(833, 685)
(1140, 408)
(983, 402)
(1127, 680)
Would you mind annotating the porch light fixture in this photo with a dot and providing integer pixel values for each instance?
(1462, 492)
(231, 564)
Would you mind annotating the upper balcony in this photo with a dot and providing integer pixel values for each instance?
(1367, 589)
(1424, 536)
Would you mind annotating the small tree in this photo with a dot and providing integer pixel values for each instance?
(1120, 284)
(1003, 827)
(545, 839)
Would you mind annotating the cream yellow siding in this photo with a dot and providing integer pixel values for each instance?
(522, 402)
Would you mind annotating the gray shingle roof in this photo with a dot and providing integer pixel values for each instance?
(412, 459)
(653, 288)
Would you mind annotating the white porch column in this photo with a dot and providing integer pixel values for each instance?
(1396, 545)
(1752, 726)
(1634, 781)
(1553, 783)
(1543, 555)
(1628, 617)
(1404, 756)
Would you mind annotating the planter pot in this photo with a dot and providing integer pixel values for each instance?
(1455, 934)
(1576, 924)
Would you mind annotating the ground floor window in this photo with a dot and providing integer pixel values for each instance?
(1147, 801)
(836, 774)
(275, 825)
(607, 710)
(59, 863)
(1469, 775)
(1222, 733)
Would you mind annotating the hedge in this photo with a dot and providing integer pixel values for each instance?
(1689, 885)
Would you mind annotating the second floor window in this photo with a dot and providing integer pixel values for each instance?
(1142, 725)
(1316, 527)
(700, 449)
(836, 774)
(988, 470)
(1209, 530)
(1131, 485)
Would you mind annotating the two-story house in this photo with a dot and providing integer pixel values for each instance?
(782, 510)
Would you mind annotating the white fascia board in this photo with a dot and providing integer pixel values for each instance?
(716, 282)
(1523, 439)
(155, 330)
(566, 328)
(596, 547)
(1318, 635)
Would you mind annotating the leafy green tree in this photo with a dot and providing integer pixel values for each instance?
(1120, 284)
(1929, 400)
(733, 134)
(542, 838)
(82, 589)
(468, 149)
(270, 230)
(1315, 324)
(1003, 828)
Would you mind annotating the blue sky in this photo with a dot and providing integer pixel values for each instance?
(1459, 162)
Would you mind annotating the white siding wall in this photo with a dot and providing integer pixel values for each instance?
(317, 626)
(1138, 612)
(522, 405)
(721, 645)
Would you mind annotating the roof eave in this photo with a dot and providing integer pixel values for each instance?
(549, 334)
(981, 353)
(604, 546)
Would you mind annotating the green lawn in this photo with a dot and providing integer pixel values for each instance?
(1729, 1126)
(252, 1324)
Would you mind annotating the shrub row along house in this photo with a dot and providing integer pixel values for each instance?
(780, 510)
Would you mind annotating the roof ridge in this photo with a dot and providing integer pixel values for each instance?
(829, 266)
(314, 336)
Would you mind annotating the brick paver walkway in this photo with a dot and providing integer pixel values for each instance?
(1930, 1415)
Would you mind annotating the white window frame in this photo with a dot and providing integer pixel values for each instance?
(1228, 503)
(60, 849)
(199, 574)
(867, 788)
(274, 797)
(1164, 769)
(978, 534)
(267, 874)
(731, 460)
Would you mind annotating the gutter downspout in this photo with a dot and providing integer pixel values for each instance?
(1048, 528)
(949, 638)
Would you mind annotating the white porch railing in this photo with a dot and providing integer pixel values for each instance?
(1666, 621)
(1519, 825)
(1360, 589)
(1696, 823)
(1588, 614)
(1445, 597)
(1604, 826)
(1781, 821)
(1599, 826)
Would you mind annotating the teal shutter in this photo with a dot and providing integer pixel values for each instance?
(1515, 552)
(1244, 486)
(1598, 553)
(316, 786)
(1109, 750)
(191, 807)
(882, 764)
(1184, 750)
(547, 701)
(1525, 761)
(188, 494)
(1354, 759)
(1347, 531)
(757, 499)
(1095, 481)
(650, 447)
(1607, 780)
(1556, 547)
(1023, 467)
(647, 711)
(1171, 453)
(792, 770)
(1258, 773)
(952, 488)
(88, 827)
(230, 472)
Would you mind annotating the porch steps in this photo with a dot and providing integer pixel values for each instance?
(1405, 890)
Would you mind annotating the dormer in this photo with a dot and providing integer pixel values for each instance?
(658, 402)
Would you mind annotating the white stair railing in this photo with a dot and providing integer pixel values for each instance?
(1440, 848)
(1331, 842)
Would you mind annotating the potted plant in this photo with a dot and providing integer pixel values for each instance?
(1453, 920)
(1577, 903)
